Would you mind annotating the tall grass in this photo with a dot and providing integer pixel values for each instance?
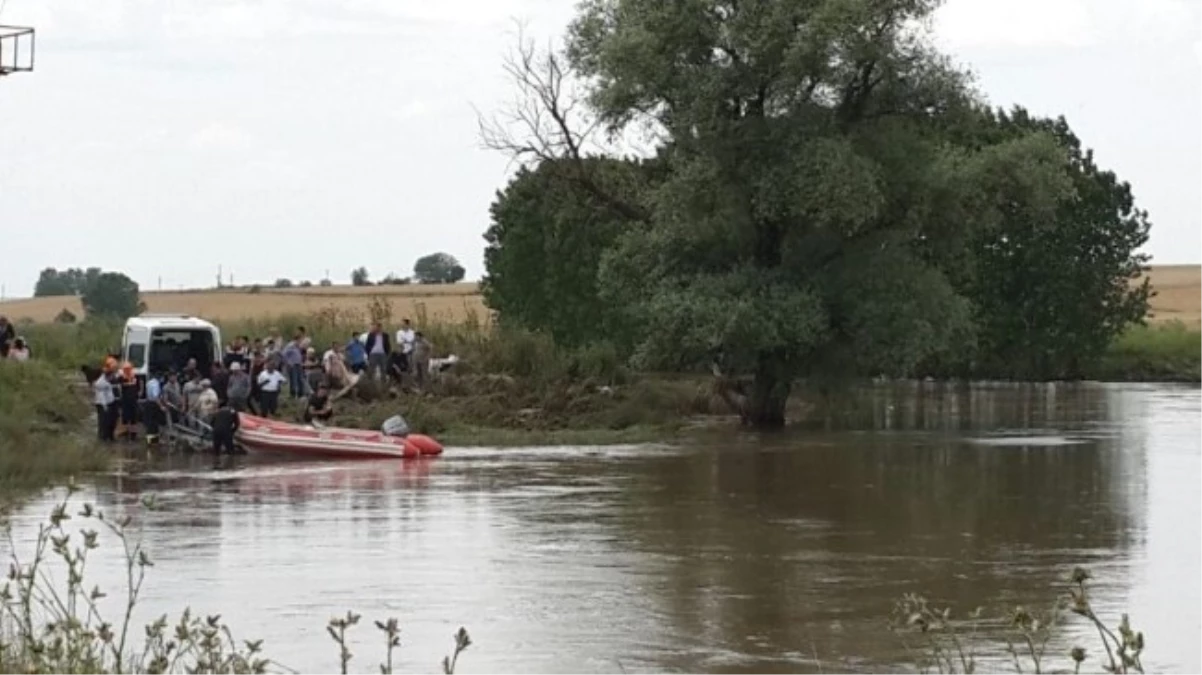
(41, 437)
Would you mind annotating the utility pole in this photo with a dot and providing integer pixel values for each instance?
(219, 276)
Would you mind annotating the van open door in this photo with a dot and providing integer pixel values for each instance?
(135, 346)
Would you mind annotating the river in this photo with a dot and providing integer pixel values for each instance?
(733, 554)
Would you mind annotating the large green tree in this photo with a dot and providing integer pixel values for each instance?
(545, 243)
(438, 268)
(111, 295)
(831, 198)
(1052, 292)
(809, 173)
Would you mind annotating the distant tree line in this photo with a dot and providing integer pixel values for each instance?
(435, 268)
(828, 198)
(115, 295)
(104, 295)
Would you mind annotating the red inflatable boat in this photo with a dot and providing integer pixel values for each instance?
(266, 435)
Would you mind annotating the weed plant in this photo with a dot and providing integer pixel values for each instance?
(939, 642)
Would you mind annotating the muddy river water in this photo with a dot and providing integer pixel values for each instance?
(732, 554)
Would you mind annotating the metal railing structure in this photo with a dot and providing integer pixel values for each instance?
(16, 50)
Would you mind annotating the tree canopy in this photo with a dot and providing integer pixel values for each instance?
(830, 197)
(438, 268)
(112, 295)
(71, 281)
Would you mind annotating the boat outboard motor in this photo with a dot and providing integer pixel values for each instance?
(395, 426)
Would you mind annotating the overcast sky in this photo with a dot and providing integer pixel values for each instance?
(282, 138)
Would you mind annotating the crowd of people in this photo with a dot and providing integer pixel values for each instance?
(251, 377)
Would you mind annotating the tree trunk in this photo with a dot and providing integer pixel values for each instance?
(765, 408)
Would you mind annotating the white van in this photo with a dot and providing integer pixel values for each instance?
(156, 343)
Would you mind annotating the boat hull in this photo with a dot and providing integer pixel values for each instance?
(267, 435)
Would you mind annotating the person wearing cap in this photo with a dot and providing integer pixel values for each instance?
(207, 402)
(238, 387)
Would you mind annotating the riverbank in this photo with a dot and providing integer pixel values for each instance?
(42, 436)
(510, 388)
(470, 410)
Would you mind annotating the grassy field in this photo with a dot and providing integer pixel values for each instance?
(449, 303)
(1178, 288)
(1178, 294)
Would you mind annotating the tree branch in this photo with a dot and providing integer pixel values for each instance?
(545, 122)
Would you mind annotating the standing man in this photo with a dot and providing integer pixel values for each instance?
(151, 411)
(294, 360)
(102, 397)
(270, 381)
(356, 353)
(378, 348)
(238, 392)
(422, 351)
(8, 335)
(225, 425)
(405, 337)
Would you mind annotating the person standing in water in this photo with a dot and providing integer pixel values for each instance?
(225, 426)
(102, 398)
(131, 393)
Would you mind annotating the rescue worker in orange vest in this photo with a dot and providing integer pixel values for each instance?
(131, 392)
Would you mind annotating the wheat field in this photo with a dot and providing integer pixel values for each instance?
(440, 303)
(1178, 297)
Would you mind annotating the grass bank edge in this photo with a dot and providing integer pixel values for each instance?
(43, 440)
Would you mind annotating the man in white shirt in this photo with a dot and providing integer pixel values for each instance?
(270, 381)
(405, 338)
(102, 398)
(331, 355)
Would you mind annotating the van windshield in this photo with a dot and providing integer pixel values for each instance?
(170, 349)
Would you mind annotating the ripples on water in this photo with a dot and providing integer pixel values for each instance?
(740, 554)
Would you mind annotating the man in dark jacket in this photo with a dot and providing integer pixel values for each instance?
(225, 425)
(378, 348)
(8, 335)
